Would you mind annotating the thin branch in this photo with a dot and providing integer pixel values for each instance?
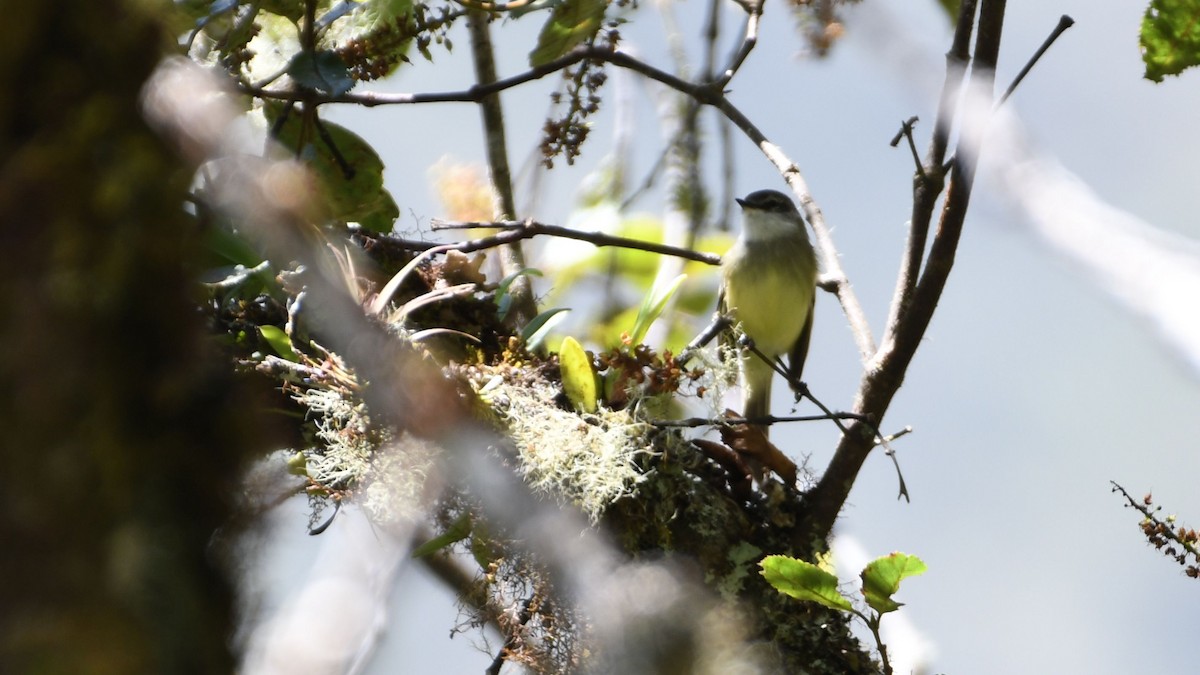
(518, 230)
(1159, 531)
(512, 260)
(886, 372)
(753, 16)
(765, 420)
(1064, 22)
(929, 184)
(802, 391)
(648, 181)
(718, 325)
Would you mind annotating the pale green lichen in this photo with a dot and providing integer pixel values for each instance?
(589, 460)
(389, 472)
(397, 483)
(346, 441)
(719, 367)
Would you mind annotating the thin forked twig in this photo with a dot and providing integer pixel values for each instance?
(802, 391)
(906, 131)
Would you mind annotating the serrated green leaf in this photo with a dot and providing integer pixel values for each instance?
(280, 342)
(1170, 37)
(572, 23)
(352, 187)
(578, 378)
(457, 531)
(535, 332)
(803, 581)
(324, 72)
(881, 579)
(652, 307)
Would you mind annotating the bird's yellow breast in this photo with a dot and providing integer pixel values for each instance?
(768, 289)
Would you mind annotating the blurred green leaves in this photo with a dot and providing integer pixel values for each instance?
(323, 72)
(572, 23)
(348, 170)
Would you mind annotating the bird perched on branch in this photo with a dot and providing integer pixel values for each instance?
(768, 286)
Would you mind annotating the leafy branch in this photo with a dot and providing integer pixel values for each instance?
(880, 581)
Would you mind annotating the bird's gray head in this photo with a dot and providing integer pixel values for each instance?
(771, 201)
(770, 214)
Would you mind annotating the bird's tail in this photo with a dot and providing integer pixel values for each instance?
(756, 391)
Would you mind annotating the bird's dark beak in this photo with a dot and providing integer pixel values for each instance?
(741, 202)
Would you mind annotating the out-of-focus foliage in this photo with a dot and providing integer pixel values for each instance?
(348, 170)
(571, 23)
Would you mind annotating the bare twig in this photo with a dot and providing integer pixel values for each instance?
(718, 325)
(753, 16)
(906, 131)
(1064, 22)
(765, 420)
(518, 230)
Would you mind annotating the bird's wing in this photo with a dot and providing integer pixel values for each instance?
(799, 351)
(725, 339)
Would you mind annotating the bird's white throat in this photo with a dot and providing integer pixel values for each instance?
(764, 226)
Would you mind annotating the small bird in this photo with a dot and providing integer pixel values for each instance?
(768, 285)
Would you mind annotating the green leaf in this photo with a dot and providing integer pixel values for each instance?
(1170, 37)
(533, 334)
(460, 529)
(504, 299)
(804, 581)
(280, 342)
(881, 579)
(578, 378)
(348, 169)
(482, 549)
(652, 308)
(297, 464)
(324, 72)
(230, 247)
(571, 23)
